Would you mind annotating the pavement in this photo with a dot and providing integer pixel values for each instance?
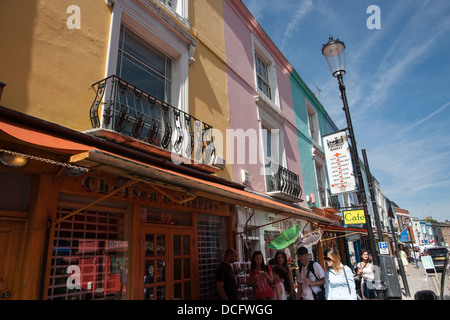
(418, 279)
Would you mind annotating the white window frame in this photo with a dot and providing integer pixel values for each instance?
(167, 76)
(178, 7)
(322, 174)
(264, 77)
(320, 166)
(271, 121)
(258, 49)
(313, 124)
(147, 22)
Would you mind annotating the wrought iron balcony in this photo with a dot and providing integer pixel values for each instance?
(282, 183)
(130, 111)
(327, 200)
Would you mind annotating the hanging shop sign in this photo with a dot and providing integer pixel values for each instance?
(403, 236)
(354, 217)
(339, 163)
(311, 237)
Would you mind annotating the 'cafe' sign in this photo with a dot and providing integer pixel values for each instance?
(354, 217)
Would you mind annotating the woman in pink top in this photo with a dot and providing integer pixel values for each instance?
(261, 277)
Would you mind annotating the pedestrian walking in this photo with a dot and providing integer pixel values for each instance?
(339, 282)
(227, 287)
(281, 260)
(310, 277)
(404, 258)
(261, 277)
(366, 271)
(281, 283)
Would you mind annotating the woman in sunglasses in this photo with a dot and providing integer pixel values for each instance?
(339, 281)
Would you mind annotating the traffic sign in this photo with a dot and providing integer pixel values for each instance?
(384, 248)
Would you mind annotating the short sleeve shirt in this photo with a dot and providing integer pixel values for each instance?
(225, 274)
(301, 275)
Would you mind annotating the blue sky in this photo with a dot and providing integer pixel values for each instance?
(397, 80)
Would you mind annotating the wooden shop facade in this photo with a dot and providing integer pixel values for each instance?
(82, 217)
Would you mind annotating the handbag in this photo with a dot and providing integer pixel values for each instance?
(321, 294)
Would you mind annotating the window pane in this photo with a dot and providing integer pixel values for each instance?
(149, 294)
(186, 245)
(149, 245)
(177, 291)
(176, 245)
(161, 245)
(160, 293)
(144, 66)
(149, 272)
(187, 290)
(161, 271)
(177, 269)
(187, 268)
(262, 76)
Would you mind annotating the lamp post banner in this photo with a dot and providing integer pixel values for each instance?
(339, 163)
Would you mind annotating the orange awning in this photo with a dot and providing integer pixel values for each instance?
(115, 164)
(40, 138)
(118, 164)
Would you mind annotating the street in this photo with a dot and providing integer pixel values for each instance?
(419, 280)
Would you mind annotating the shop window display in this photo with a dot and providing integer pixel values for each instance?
(89, 256)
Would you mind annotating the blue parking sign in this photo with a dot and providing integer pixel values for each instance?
(383, 247)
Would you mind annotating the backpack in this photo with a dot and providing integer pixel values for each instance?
(321, 294)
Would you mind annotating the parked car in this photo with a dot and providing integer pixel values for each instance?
(438, 255)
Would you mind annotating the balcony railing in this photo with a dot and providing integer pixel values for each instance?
(129, 110)
(283, 183)
(327, 200)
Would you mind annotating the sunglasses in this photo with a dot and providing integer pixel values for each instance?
(326, 259)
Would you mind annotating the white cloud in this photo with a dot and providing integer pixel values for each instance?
(419, 37)
(428, 117)
(295, 19)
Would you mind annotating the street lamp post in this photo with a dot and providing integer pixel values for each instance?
(333, 51)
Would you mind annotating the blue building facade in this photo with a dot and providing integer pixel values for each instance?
(312, 122)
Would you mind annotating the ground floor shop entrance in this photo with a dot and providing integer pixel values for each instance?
(10, 253)
(167, 264)
(90, 254)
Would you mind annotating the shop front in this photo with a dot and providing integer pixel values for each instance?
(142, 242)
(84, 218)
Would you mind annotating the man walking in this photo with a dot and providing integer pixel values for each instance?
(310, 277)
(226, 283)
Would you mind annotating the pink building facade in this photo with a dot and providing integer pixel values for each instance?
(262, 115)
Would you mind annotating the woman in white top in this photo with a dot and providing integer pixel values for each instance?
(281, 278)
(367, 271)
(404, 258)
